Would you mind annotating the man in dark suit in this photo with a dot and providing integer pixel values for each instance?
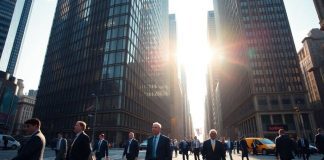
(60, 147)
(319, 141)
(303, 147)
(212, 148)
(35, 146)
(131, 148)
(184, 148)
(244, 148)
(101, 147)
(80, 147)
(284, 146)
(158, 146)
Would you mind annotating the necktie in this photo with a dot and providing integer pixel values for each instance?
(213, 146)
(129, 143)
(154, 148)
(99, 144)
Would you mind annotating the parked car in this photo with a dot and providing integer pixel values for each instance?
(312, 149)
(143, 145)
(12, 143)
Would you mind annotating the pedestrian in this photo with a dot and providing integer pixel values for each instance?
(303, 148)
(80, 147)
(35, 146)
(101, 147)
(184, 148)
(244, 148)
(131, 148)
(234, 146)
(158, 146)
(196, 148)
(230, 147)
(284, 146)
(319, 141)
(176, 147)
(5, 142)
(60, 147)
(225, 146)
(238, 146)
(212, 148)
(254, 147)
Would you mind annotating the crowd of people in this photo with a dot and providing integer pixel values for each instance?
(159, 146)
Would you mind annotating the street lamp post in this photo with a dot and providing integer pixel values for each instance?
(94, 118)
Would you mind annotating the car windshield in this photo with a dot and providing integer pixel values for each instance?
(266, 141)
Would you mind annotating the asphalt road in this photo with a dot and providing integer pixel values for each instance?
(116, 154)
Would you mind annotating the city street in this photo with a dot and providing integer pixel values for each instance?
(115, 154)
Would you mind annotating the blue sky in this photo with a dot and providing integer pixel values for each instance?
(191, 18)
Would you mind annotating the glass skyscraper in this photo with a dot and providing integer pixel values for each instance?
(7, 8)
(109, 49)
(260, 81)
(19, 37)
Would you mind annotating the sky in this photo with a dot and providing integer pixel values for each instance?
(191, 16)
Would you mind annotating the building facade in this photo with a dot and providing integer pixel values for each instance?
(7, 8)
(311, 60)
(260, 82)
(8, 101)
(23, 21)
(104, 54)
(319, 5)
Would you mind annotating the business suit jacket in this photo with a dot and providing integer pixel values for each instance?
(33, 149)
(284, 147)
(101, 151)
(163, 150)
(133, 149)
(62, 151)
(306, 144)
(319, 142)
(184, 148)
(80, 148)
(208, 153)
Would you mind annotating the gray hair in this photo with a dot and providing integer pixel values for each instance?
(158, 124)
(212, 130)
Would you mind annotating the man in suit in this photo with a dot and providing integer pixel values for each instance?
(80, 147)
(244, 148)
(184, 148)
(212, 148)
(230, 147)
(303, 147)
(101, 147)
(60, 147)
(319, 141)
(35, 146)
(158, 146)
(131, 148)
(196, 147)
(284, 146)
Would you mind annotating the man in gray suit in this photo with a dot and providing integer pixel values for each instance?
(61, 147)
(35, 146)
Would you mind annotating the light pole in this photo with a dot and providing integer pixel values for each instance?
(94, 118)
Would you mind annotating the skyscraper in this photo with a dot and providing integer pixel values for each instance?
(319, 5)
(260, 80)
(311, 60)
(7, 8)
(111, 50)
(19, 37)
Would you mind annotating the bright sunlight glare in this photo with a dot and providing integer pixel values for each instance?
(193, 51)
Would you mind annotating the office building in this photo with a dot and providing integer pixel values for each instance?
(104, 57)
(7, 8)
(311, 60)
(23, 21)
(261, 86)
(319, 5)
